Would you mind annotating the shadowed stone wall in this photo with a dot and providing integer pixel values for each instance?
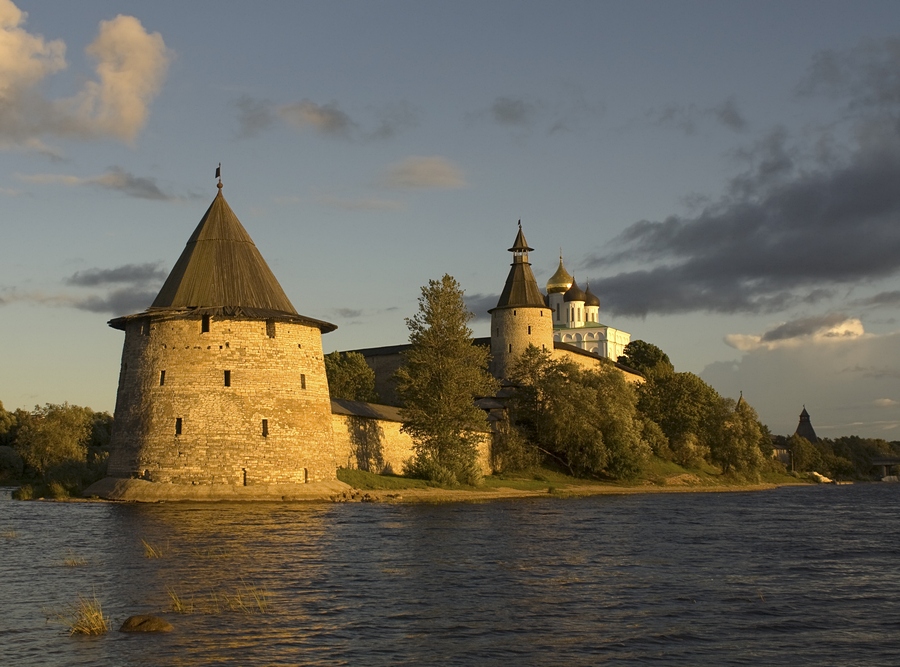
(178, 422)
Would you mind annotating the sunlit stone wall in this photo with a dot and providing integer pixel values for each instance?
(177, 421)
(378, 445)
(513, 330)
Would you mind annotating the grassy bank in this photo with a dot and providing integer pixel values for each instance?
(658, 475)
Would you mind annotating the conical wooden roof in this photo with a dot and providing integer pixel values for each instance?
(221, 267)
(221, 272)
(521, 289)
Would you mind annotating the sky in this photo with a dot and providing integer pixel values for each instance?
(725, 175)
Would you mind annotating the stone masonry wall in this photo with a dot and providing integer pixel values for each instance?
(279, 379)
(378, 445)
(513, 330)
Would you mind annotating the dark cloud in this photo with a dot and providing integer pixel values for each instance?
(867, 75)
(116, 179)
(687, 119)
(511, 111)
(479, 304)
(119, 302)
(254, 116)
(348, 313)
(803, 327)
(728, 114)
(794, 226)
(127, 273)
(142, 283)
(567, 112)
(881, 300)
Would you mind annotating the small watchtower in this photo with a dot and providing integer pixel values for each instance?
(222, 381)
(521, 316)
(805, 428)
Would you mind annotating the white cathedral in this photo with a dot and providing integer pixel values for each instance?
(576, 318)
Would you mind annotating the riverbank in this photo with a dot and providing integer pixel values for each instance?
(438, 495)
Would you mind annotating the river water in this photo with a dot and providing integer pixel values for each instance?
(792, 576)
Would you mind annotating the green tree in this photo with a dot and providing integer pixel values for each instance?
(7, 426)
(646, 358)
(585, 419)
(350, 377)
(736, 448)
(54, 436)
(805, 456)
(443, 374)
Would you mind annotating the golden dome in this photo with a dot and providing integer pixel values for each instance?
(559, 282)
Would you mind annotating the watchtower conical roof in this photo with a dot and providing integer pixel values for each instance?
(521, 289)
(221, 272)
(221, 267)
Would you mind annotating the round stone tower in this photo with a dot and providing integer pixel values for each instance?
(521, 316)
(222, 381)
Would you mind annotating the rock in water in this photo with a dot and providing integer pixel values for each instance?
(146, 623)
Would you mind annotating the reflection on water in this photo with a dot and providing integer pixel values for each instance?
(787, 577)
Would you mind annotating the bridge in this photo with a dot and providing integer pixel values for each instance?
(886, 463)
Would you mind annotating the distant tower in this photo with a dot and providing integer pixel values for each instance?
(805, 428)
(521, 316)
(222, 381)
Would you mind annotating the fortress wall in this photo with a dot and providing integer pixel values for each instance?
(384, 366)
(221, 439)
(513, 330)
(374, 444)
(592, 363)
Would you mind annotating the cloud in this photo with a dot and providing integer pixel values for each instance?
(127, 273)
(865, 76)
(348, 313)
(889, 299)
(809, 330)
(424, 172)
(797, 224)
(137, 286)
(131, 66)
(119, 302)
(688, 118)
(479, 304)
(886, 402)
(842, 381)
(511, 111)
(254, 116)
(728, 115)
(121, 290)
(326, 119)
(116, 179)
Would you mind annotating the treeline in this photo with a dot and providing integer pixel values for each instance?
(849, 457)
(53, 451)
(596, 424)
(589, 422)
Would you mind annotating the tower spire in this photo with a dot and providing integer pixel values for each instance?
(219, 176)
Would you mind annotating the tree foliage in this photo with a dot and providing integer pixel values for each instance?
(443, 374)
(54, 435)
(585, 419)
(350, 377)
(737, 447)
(646, 358)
